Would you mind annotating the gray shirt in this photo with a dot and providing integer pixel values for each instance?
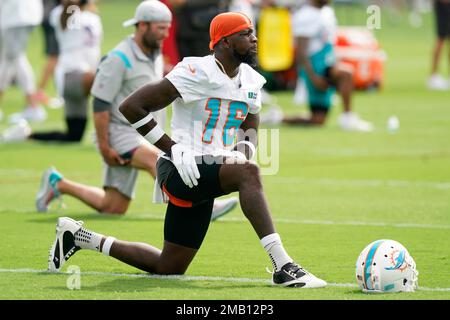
(125, 69)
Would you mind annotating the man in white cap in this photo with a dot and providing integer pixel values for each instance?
(134, 62)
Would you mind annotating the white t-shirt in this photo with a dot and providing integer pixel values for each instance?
(319, 25)
(21, 13)
(79, 43)
(212, 106)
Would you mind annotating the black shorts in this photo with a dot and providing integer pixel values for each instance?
(189, 210)
(179, 193)
(442, 12)
(318, 109)
(51, 43)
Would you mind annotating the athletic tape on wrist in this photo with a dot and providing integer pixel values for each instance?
(107, 245)
(155, 134)
(143, 121)
(250, 145)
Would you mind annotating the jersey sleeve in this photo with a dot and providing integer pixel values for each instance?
(189, 79)
(252, 84)
(305, 24)
(109, 78)
(255, 107)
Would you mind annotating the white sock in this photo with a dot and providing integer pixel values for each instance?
(107, 245)
(273, 246)
(87, 239)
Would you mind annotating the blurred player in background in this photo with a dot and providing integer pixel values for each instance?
(442, 18)
(1, 58)
(135, 61)
(18, 19)
(213, 96)
(314, 27)
(51, 53)
(79, 32)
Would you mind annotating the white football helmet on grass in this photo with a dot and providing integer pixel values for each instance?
(386, 266)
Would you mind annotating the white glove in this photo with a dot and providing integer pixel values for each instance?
(184, 160)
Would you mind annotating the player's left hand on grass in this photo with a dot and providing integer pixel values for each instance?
(184, 160)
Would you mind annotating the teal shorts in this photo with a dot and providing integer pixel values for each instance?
(321, 62)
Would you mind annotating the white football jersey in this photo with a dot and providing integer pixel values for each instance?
(79, 43)
(21, 13)
(319, 25)
(212, 106)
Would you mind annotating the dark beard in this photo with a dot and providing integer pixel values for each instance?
(151, 44)
(249, 58)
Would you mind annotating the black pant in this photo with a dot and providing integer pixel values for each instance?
(442, 12)
(74, 133)
(189, 210)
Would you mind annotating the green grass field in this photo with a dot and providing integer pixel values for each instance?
(335, 193)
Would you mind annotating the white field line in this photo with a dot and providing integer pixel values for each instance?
(349, 152)
(363, 183)
(318, 222)
(279, 179)
(149, 216)
(185, 278)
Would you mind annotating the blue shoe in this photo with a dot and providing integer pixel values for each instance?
(48, 190)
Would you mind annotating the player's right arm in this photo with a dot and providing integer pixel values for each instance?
(101, 123)
(150, 98)
(303, 59)
(137, 109)
(107, 85)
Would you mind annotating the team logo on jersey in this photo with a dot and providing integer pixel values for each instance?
(253, 95)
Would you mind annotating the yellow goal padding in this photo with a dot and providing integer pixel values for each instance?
(275, 42)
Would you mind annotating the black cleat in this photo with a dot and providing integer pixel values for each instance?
(64, 246)
(293, 275)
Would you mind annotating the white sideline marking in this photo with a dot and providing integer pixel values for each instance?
(279, 179)
(150, 216)
(319, 222)
(351, 152)
(363, 183)
(186, 278)
(350, 223)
